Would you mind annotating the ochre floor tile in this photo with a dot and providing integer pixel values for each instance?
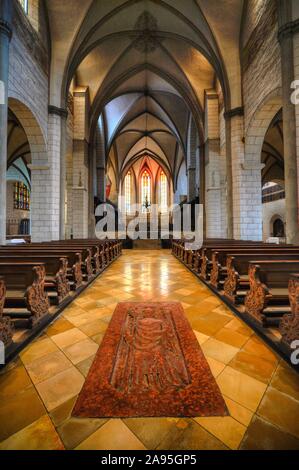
(59, 326)
(286, 380)
(254, 366)
(151, 431)
(18, 411)
(281, 410)
(190, 436)
(45, 367)
(233, 338)
(222, 352)
(256, 346)
(240, 327)
(63, 412)
(262, 435)
(60, 388)
(69, 337)
(73, 431)
(241, 388)
(215, 366)
(80, 351)
(226, 429)
(114, 435)
(238, 412)
(85, 365)
(38, 349)
(14, 382)
(40, 435)
(201, 338)
(94, 327)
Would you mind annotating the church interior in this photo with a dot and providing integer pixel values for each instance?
(149, 343)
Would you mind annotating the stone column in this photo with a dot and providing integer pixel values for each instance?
(5, 36)
(244, 189)
(80, 164)
(191, 177)
(100, 166)
(229, 179)
(63, 173)
(286, 34)
(214, 168)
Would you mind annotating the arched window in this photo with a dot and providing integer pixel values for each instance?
(128, 189)
(145, 191)
(163, 192)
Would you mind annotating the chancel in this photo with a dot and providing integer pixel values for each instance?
(117, 120)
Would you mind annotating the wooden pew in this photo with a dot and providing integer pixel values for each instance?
(26, 301)
(56, 272)
(268, 300)
(74, 259)
(6, 326)
(234, 276)
(289, 324)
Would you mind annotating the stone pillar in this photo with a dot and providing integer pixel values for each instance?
(245, 189)
(214, 169)
(192, 184)
(287, 35)
(191, 178)
(80, 164)
(229, 179)
(100, 166)
(5, 36)
(63, 174)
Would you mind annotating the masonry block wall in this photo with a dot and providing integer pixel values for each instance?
(260, 55)
(28, 69)
(272, 210)
(214, 169)
(296, 77)
(69, 168)
(80, 164)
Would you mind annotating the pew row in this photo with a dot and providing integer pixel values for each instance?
(38, 280)
(258, 281)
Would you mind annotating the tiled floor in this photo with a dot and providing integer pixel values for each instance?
(38, 390)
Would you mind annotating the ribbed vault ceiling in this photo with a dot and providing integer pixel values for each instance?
(147, 64)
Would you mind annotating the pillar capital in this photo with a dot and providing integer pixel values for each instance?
(288, 30)
(61, 112)
(234, 112)
(5, 28)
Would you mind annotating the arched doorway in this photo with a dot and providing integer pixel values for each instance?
(278, 228)
(273, 191)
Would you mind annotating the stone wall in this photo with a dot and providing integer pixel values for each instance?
(270, 211)
(260, 55)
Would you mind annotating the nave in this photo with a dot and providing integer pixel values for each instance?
(39, 389)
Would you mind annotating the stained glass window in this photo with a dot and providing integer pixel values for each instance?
(163, 192)
(24, 4)
(21, 196)
(128, 188)
(145, 191)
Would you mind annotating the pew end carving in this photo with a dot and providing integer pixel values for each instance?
(62, 283)
(6, 326)
(257, 298)
(36, 298)
(289, 324)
